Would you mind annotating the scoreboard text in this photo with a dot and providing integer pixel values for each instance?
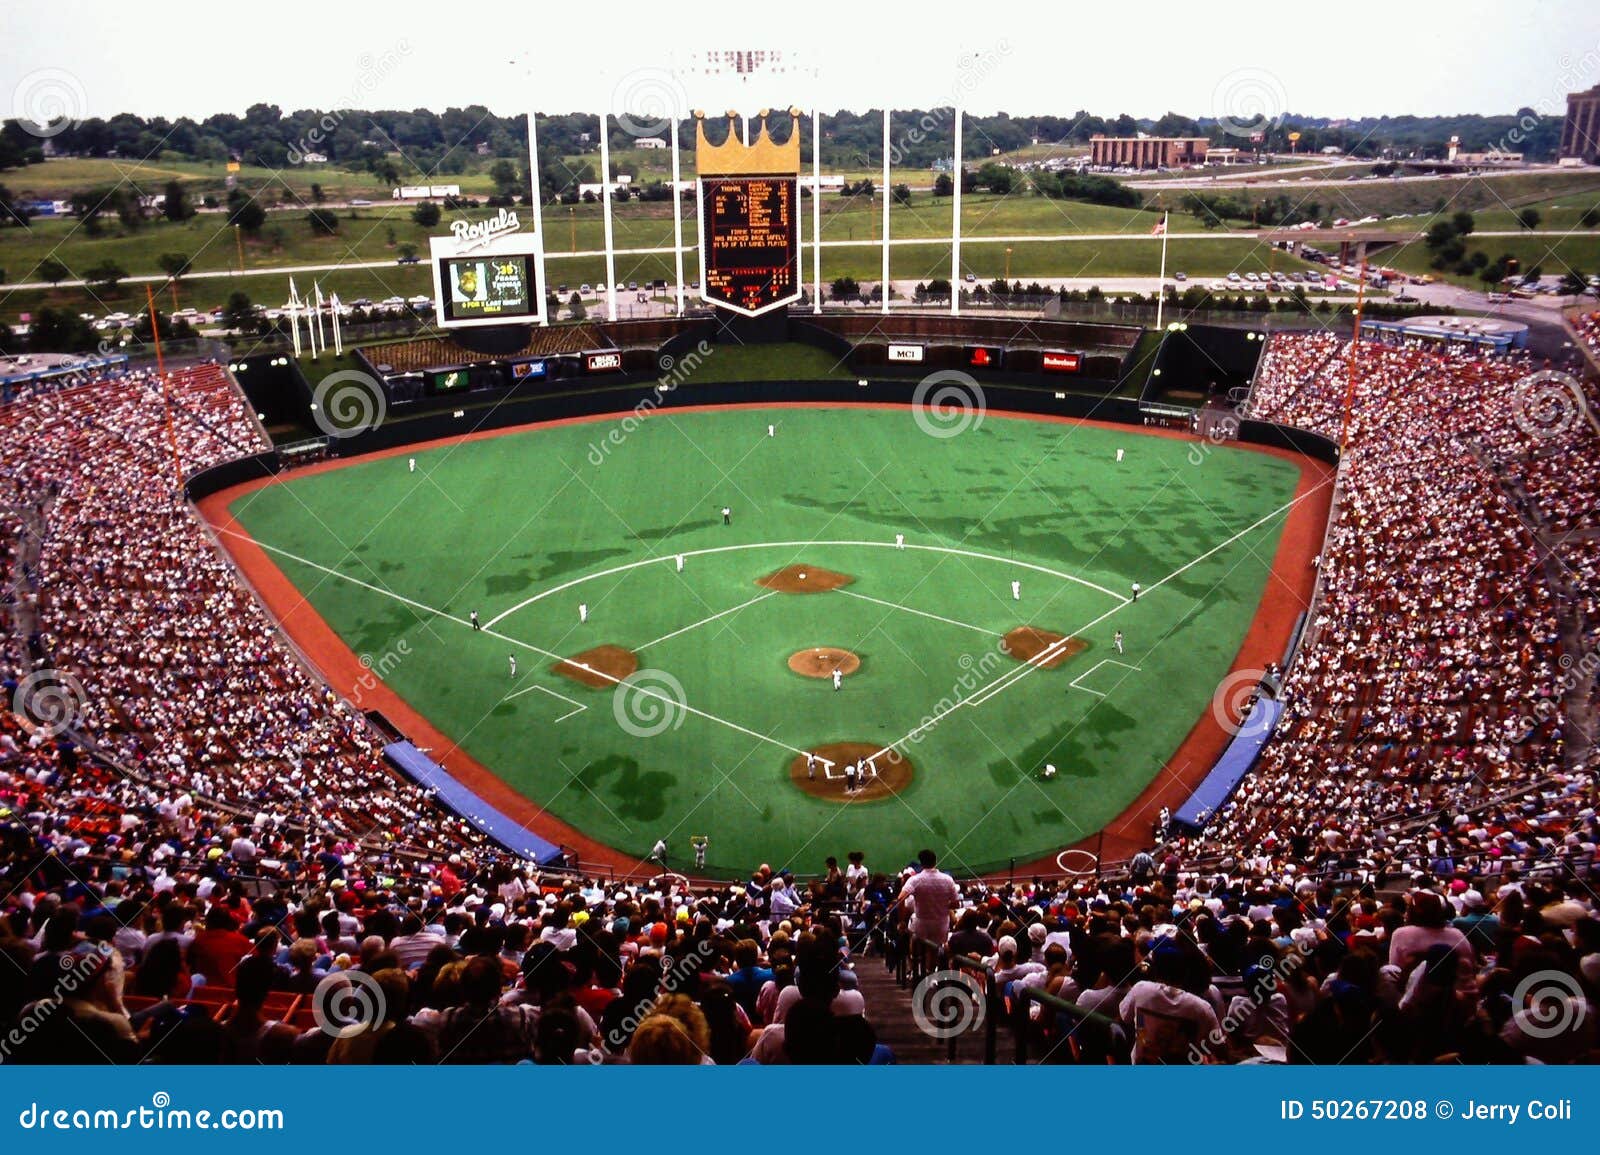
(751, 241)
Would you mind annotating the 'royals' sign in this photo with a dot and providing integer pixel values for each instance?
(471, 235)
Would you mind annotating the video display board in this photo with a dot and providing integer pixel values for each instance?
(487, 288)
(487, 273)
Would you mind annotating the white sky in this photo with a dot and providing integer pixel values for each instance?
(1427, 59)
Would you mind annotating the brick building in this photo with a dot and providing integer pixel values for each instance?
(1580, 132)
(1146, 151)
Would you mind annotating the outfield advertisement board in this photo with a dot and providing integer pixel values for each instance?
(907, 354)
(1057, 361)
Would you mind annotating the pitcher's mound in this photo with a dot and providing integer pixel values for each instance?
(598, 668)
(1027, 643)
(893, 772)
(804, 579)
(822, 661)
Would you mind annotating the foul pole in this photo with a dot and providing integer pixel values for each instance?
(166, 394)
(1355, 348)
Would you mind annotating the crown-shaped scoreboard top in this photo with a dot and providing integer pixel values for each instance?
(763, 156)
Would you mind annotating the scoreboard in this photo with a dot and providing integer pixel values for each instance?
(485, 277)
(488, 288)
(749, 241)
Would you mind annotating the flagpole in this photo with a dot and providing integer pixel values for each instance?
(294, 316)
(1161, 288)
(677, 217)
(338, 343)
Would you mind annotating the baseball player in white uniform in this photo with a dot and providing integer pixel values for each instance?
(838, 678)
(1016, 591)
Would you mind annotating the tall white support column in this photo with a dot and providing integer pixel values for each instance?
(955, 223)
(537, 209)
(886, 206)
(816, 207)
(677, 217)
(605, 203)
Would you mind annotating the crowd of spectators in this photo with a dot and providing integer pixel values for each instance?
(208, 861)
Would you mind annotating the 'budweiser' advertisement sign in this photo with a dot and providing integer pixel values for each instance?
(1062, 362)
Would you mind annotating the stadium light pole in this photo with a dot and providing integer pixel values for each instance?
(677, 216)
(816, 205)
(605, 204)
(955, 223)
(538, 217)
(885, 206)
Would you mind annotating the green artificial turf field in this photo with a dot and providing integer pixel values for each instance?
(524, 527)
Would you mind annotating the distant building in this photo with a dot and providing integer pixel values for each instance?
(649, 142)
(1580, 132)
(1147, 151)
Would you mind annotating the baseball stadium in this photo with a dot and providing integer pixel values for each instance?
(727, 662)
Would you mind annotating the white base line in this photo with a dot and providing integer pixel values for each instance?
(703, 621)
(919, 613)
(1012, 677)
(668, 558)
(545, 690)
(618, 682)
(1102, 662)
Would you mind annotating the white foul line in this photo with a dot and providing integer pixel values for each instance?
(703, 621)
(1012, 677)
(619, 683)
(920, 613)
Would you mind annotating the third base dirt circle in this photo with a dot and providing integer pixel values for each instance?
(822, 661)
(894, 772)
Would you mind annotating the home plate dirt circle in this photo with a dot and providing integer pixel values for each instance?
(894, 772)
(822, 661)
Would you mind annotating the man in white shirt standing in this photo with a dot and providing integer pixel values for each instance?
(927, 900)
